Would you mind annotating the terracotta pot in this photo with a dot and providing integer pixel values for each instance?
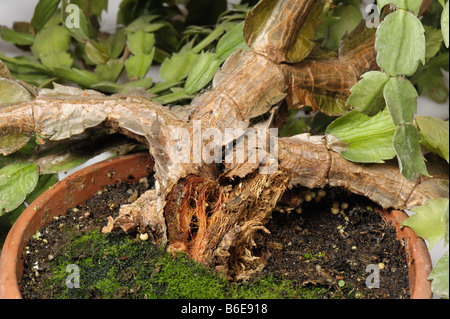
(417, 255)
(80, 186)
(68, 193)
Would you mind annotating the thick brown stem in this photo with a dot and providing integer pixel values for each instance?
(16, 119)
(273, 28)
(248, 86)
(332, 78)
(308, 162)
(66, 112)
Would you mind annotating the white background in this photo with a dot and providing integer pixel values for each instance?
(22, 10)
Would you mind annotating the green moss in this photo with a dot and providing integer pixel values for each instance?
(270, 287)
(119, 266)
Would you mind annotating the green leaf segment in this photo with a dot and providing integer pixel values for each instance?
(383, 123)
(400, 45)
(401, 49)
(431, 223)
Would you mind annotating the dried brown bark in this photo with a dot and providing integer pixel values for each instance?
(213, 215)
(313, 79)
(280, 29)
(247, 86)
(303, 157)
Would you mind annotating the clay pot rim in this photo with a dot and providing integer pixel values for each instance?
(417, 255)
(418, 258)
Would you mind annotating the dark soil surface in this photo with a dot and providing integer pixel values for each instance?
(317, 247)
(52, 240)
(314, 248)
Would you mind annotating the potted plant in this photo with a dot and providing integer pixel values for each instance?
(219, 163)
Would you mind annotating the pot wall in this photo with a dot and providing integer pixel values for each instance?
(418, 257)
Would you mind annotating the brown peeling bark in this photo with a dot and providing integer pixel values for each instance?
(393, 191)
(261, 84)
(305, 159)
(309, 163)
(16, 119)
(273, 26)
(332, 77)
